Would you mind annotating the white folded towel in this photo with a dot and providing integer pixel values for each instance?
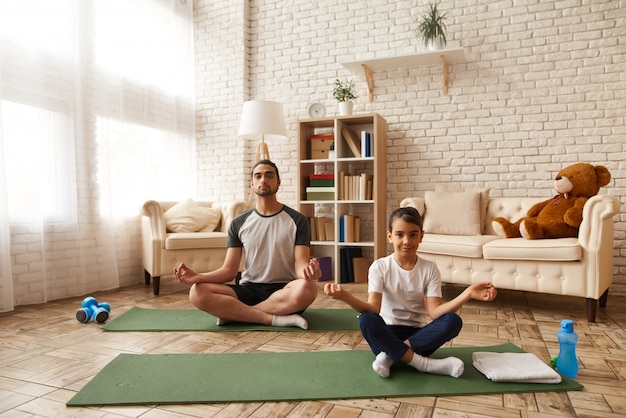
(514, 367)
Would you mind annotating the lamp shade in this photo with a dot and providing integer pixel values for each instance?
(262, 119)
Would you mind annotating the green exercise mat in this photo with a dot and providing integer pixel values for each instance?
(269, 377)
(142, 319)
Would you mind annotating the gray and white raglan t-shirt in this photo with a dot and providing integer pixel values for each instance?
(268, 244)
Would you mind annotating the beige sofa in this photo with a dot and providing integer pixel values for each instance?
(580, 266)
(187, 231)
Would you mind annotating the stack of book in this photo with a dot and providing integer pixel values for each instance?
(321, 187)
(322, 229)
(357, 187)
(354, 267)
(359, 148)
(367, 142)
(349, 228)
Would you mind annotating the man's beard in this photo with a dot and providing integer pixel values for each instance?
(268, 192)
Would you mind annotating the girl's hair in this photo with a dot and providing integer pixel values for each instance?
(265, 162)
(408, 214)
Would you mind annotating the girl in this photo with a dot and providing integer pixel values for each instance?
(403, 290)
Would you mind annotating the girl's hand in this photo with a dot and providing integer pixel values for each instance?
(335, 291)
(485, 291)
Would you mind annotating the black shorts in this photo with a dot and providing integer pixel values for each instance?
(253, 293)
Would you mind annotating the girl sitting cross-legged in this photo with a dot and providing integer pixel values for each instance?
(404, 318)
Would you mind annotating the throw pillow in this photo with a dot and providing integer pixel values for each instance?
(189, 216)
(215, 216)
(484, 200)
(452, 213)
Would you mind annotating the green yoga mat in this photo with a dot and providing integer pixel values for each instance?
(259, 377)
(141, 319)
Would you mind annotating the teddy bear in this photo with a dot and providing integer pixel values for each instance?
(560, 216)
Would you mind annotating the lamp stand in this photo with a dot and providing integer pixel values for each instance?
(262, 153)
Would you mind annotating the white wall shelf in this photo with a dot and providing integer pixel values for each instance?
(445, 57)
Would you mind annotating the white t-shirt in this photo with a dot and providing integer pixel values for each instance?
(403, 291)
(268, 243)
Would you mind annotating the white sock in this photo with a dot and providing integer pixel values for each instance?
(289, 320)
(382, 364)
(451, 366)
(221, 321)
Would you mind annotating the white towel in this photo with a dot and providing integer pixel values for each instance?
(514, 367)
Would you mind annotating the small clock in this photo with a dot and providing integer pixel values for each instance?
(317, 110)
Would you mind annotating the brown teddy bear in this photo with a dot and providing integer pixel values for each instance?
(562, 215)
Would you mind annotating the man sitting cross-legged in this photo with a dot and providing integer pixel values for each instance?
(279, 278)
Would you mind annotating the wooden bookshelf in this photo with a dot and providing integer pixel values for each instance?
(368, 205)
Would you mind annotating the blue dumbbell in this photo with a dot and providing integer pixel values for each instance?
(92, 309)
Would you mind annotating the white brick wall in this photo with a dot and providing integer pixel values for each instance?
(543, 86)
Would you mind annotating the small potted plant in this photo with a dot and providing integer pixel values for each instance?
(344, 92)
(431, 28)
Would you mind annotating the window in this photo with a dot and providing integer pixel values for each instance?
(35, 185)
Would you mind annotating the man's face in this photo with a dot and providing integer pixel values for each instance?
(265, 182)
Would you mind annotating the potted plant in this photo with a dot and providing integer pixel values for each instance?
(344, 92)
(431, 28)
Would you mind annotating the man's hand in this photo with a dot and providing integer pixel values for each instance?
(312, 271)
(185, 274)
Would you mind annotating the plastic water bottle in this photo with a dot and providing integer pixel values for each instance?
(567, 362)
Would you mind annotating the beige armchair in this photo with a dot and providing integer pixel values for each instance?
(190, 232)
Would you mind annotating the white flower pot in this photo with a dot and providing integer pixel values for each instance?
(345, 108)
(436, 44)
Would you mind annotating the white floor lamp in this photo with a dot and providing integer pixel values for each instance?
(262, 120)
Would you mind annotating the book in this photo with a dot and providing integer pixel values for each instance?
(352, 140)
(366, 144)
(321, 176)
(346, 255)
(329, 229)
(326, 264)
(320, 196)
(320, 189)
(348, 224)
(350, 228)
(321, 183)
(363, 143)
(342, 229)
(313, 228)
(321, 231)
(363, 186)
(360, 267)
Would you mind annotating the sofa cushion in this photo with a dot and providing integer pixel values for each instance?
(193, 240)
(190, 216)
(452, 213)
(484, 199)
(559, 249)
(414, 202)
(455, 245)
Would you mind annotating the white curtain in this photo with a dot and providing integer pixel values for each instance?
(96, 116)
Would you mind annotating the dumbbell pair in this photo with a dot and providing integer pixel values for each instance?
(92, 309)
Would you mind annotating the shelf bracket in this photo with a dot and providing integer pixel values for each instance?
(444, 64)
(370, 82)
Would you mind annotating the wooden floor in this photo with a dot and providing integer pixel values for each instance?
(46, 356)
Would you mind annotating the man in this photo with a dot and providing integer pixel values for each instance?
(279, 278)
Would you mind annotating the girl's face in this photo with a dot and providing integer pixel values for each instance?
(405, 238)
